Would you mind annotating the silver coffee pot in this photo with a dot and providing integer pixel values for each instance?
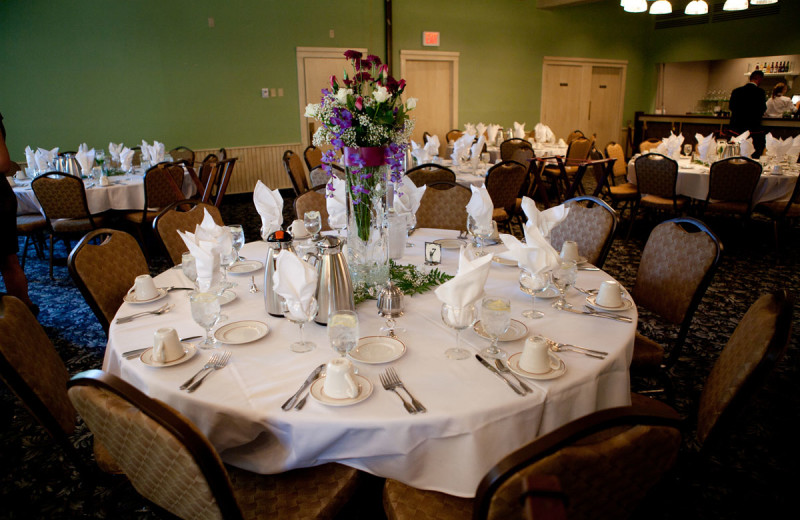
(731, 150)
(278, 241)
(334, 285)
(67, 163)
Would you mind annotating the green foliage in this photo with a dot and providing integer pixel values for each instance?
(409, 278)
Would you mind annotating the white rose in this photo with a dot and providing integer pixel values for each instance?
(311, 110)
(411, 104)
(342, 93)
(381, 94)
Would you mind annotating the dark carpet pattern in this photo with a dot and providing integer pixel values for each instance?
(751, 473)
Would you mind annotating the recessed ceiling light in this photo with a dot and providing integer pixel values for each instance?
(763, 2)
(696, 7)
(661, 7)
(735, 5)
(634, 6)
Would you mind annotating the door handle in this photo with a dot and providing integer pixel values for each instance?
(590, 110)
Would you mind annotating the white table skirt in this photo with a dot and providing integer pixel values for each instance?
(693, 182)
(473, 419)
(124, 193)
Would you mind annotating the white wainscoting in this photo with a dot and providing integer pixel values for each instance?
(263, 162)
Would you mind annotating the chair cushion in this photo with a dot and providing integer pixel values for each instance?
(405, 502)
(500, 214)
(662, 203)
(104, 459)
(136, 216)
(647, 354)
(27, 224)
(76, 225)
(729, 207)
(627, 190)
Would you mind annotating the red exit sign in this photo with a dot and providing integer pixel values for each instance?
(430, 39)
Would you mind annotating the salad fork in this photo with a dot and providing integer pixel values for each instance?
(208, 366)
(387, 385)
(502, 367)
(395, 381)
(161, 310)
(220, 363)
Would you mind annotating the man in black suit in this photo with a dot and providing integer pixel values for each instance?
(748, 103)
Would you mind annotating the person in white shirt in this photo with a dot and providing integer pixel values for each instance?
(778, 104)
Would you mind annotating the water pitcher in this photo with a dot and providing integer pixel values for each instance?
(334, 285)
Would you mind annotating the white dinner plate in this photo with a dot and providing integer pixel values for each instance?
(557, 367)
(364, 391)
(550, 292)
(626, 304)
(240, 332)
(189, 351)
(374, 350)
(516, 330)
(450, 243)
(131, 296)
(504, 261)
(245, 267)
(227, 297)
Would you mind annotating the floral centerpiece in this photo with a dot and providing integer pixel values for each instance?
(365, 119)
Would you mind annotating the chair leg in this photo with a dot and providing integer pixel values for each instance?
(25, 251)
(633, 213)
(51, 257)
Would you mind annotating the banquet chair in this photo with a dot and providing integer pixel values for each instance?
(757, 344)
(222, 154)
(313, 157)
(32, 369)
(425, 137)
(621, 196)
(63, 200)
(182, 153)
(207, 174)
(731, 186)
(453, 135)
(182, 215)
(173, 465)
(574, 135)
(319, 177)
(560, 176)
(31, 225)
(105, 272)
(605, 462)
(137, 155)
(444, 205)
(312, 201)
(614, 151)
(504, 182)
(656, 183)
(224, 171)
(430, 173)
(649, 144)
(162, 187)
(510, 146)
(591, 223)
(781, 211)
(675, 270)
(297, 174)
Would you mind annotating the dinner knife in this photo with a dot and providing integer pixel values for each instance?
(138, 351)
(598, 315)
(494, 371)
(310, 379)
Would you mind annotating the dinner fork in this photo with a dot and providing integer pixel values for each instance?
(208, 366)
(161, 310)
(502, 367)
(387, 385)
(220, 363)
(394, 380)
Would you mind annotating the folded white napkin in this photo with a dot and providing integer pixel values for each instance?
(420, 153)
(269, 205)
(407, 197)
(491, 132)
(30, 157)
(519, 130)
(83, 147)
(480, 206)
(44, 158)
(779, 148)
(336, 203)
(153, 153)
(469, 128)
(529, 257)
(433, 139)
(545, 220)
(115, 150)
(671, 146)
(86, 160)
(794, 150)
(746, 148)
(206, 255)
(462, 147)
(209, 231)
(145, 149)
(126, 159)
(467, 285)
(543, 134)
(296, 281)
(704, 145)
(475, 151)
(480, 128)
(432, 147)
(535, 238)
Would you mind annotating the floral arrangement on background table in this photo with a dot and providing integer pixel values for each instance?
(366, 119)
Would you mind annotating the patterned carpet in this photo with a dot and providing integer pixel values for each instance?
(751, 472)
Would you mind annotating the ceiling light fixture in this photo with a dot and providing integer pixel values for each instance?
(661, 7)
(696, 7)
(763, 2)
(634, 6)
(735, 5)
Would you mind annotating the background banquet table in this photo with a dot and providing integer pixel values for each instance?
(473, 419)
(124, 193)
(693, 182)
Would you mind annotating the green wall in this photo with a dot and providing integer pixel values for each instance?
(124, 70)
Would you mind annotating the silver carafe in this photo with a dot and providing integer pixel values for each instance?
(731, 150)
(334, 286)
(68, 164)
(278, 241)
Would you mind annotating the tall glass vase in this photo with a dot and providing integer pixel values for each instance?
(367, 237)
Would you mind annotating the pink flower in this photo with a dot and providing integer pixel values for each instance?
(333, 82)
(359, 103)
(383, 71)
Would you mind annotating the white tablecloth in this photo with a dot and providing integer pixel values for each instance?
(693, 182)
(473, 419)
(124, 193)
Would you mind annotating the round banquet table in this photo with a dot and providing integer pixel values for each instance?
(473, 419)
(124, 193)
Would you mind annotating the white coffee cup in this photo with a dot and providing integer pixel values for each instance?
(20, 175)
(104, 180)
(569, 250)
(166, 345)
(535, 356)
(340, 382)
(610, 294)
(299, 229)
(145, 287)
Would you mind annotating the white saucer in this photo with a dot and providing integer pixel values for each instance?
(374, 350)
(227, 297)
(504, 261)
(450, 243)
(130, 297)
(626, 304)
(245, 267)
(189, 351)
(516, 330)
(318, 393)
(550, 292)
(557, 367)
(240, 332)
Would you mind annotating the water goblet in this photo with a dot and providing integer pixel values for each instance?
(458, 318)
(495, 318)
(687, 150)
(343, 331)
(479, 230)
(226, 260)
(313, 223)
(100, 158)
(296, 313)
(189, 267)
(237, 235)
(564, 276)
(411, 223)
(533, 284)
(205, 312)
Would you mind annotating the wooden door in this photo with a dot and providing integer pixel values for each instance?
(562, 100)
(432, 78)
(604, 110)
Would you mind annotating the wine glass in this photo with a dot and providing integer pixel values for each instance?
(479, 230)
(563, 277)
(533, 284)
(296, 313)
(343, 331)
(458, 318)
(189, 267)
(411, 223)
(205, 312)
(226, 260)
(237, 234)
(313, 223)
(100, 158)
(687, 150)
(495, 319)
